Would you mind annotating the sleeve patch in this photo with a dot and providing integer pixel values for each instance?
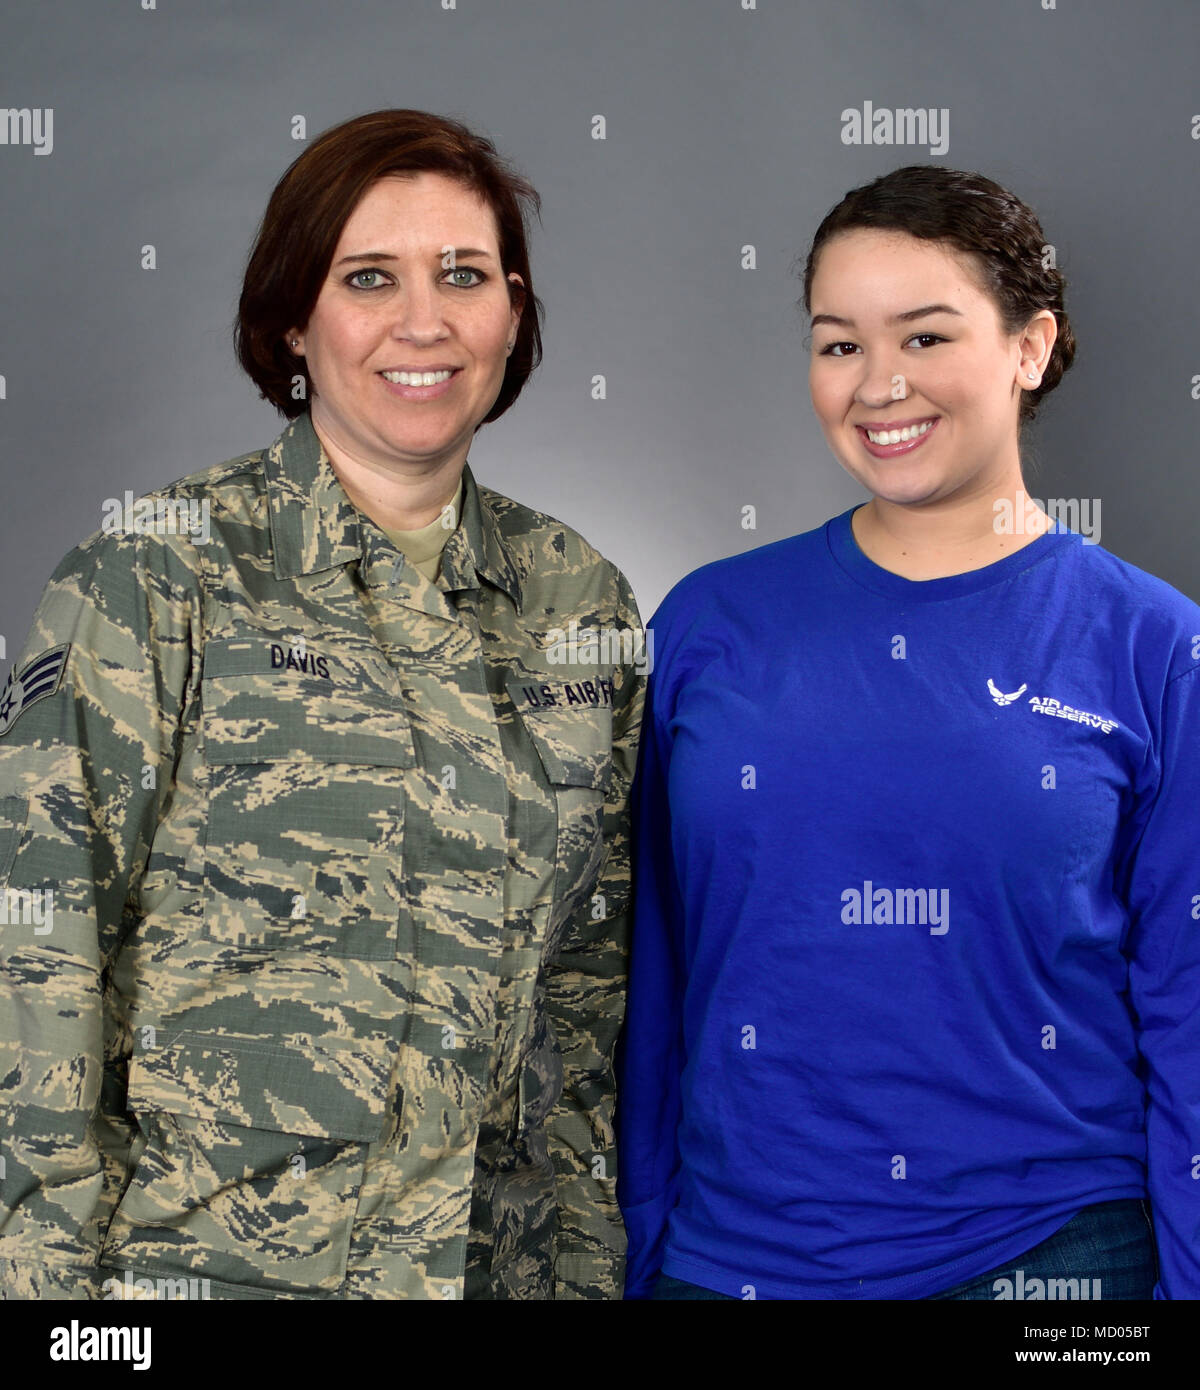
(39, 678)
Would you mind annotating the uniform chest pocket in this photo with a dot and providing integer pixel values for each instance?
(573, 740)
(304, 841)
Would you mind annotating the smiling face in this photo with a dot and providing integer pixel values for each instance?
(905, 341)
(393, 304)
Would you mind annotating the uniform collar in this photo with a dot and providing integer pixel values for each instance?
(477, 546)
(315, 526)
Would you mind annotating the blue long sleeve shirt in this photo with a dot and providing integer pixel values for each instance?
(916, 952)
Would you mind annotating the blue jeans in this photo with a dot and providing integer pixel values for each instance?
(1109, 1245)
(1111, 1242)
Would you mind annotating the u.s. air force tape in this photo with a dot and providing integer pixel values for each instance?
(38, 678)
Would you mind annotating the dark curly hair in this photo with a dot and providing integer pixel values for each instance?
(311, 204)
(977, 216)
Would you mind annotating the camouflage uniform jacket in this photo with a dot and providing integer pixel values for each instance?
(335, 865)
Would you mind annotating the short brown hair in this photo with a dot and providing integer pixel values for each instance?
(994, 227)
(313, 201)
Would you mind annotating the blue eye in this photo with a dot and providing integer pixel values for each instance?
(354, 275)
(467, 270)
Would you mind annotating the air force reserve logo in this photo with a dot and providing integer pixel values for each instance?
(1039, 704)
(999, 696)
(39, 678)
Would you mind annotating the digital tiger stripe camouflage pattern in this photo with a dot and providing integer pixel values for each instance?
(338, 937)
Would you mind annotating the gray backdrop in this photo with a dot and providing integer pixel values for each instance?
(172, 120)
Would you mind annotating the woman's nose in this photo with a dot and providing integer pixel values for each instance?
(418, 314)
(880, 382)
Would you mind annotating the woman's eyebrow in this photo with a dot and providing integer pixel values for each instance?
(460, 252)
(905, 317)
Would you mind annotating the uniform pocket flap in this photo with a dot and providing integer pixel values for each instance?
(299, 1089)
(570, 725)
(265, 715)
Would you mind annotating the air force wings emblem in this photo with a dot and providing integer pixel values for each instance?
(1000, 697)
(39, 679)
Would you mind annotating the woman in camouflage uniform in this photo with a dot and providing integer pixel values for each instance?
(332, 850)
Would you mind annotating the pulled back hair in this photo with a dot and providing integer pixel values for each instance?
(974, 215)
(313, 201)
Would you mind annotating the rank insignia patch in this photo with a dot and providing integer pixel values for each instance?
(39, 678)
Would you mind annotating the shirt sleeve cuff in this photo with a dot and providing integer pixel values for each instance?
(578, 1276)
(27, 1281)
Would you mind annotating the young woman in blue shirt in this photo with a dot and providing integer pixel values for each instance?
(915, 992)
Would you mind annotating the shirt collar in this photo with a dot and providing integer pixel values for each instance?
(315, 526)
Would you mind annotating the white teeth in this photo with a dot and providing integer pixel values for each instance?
(899, 436)
(416, 378)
